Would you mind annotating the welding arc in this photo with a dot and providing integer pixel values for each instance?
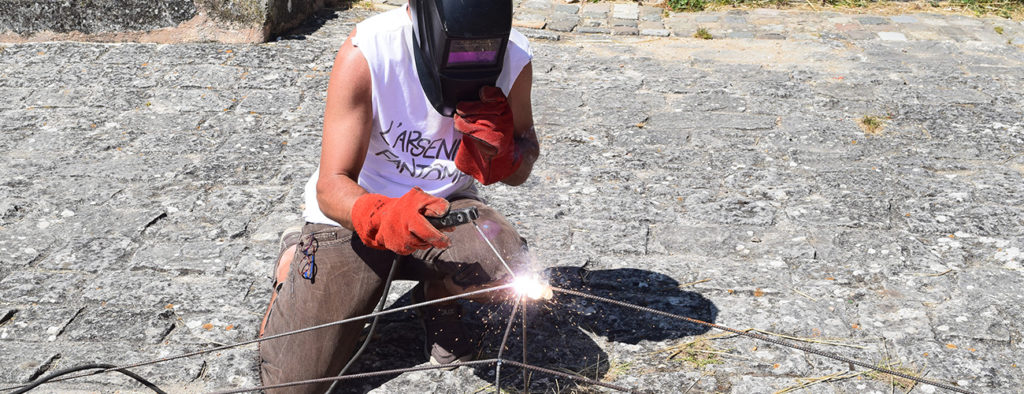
(284, 334)
(766, 339)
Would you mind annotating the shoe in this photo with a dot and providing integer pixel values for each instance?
(446, 339)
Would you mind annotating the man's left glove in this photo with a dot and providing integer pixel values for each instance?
(488, 149)
(398, 224)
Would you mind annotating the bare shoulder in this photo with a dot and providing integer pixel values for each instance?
(519, 100)
(350, 75)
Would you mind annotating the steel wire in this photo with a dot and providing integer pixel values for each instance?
(526, 379)
(569, 376)
(275, 336)
(430, 367)
(357, 376)
(504, 340)
(493, 249)
(766, 339)
(373, 323)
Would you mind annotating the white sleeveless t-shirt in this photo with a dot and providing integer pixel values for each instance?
(410, 143)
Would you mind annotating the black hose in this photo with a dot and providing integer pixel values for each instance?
(85, 367)
(373, 324)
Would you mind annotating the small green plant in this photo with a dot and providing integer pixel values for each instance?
(687, 5)
(871, 124)
(999, 30)
(702, 33)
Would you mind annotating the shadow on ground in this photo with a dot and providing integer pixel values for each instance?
(314, 22)
(559, 331)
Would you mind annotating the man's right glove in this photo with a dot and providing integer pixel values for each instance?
(488, 149)
(398, 224)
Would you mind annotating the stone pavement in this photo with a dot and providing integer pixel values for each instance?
(144, 186)
(552, 18)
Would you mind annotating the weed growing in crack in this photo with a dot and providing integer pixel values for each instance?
(702, 33)
(698, 353)
(872, 125)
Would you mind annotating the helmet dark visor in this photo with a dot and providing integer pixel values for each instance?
(460, 47)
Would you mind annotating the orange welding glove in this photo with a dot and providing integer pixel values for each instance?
(398, 224)
(488, 149)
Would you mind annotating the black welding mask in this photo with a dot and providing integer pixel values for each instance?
(460, 47)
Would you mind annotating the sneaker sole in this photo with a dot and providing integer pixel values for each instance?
(454, 364)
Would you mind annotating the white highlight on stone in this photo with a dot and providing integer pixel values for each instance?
(891, 36)
(626, 11)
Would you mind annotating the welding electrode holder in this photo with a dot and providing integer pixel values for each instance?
(454, 217)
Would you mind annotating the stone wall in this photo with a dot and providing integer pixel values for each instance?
(231, 21)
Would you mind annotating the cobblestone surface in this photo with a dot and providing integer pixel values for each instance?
(143, 188)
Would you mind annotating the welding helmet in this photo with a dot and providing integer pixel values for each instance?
(460, 47)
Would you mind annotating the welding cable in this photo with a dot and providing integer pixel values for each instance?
(63, 372)
(766, 339)
(285, 334)
(373, 324)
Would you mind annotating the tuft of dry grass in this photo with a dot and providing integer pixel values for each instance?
(872, 125)
(803, 383)
(702, 33)
(896, 365)
(699, 352)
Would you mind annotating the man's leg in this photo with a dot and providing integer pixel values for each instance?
(469, 262)
(347, 282)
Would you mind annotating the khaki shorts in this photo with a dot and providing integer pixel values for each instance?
(348, 282)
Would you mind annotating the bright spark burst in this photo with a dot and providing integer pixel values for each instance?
(532, 287)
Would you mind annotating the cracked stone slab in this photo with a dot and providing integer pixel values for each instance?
(36, 324)
(26, 287)
(102, 324)
(26, 361)
(193, 257)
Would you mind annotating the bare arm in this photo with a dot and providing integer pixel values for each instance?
(347, 127)
(522, 119)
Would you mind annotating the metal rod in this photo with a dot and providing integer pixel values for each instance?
(766, 339)
(526, 378)
(356, 376)
(484, 236)
(568, 376)
(284, 334)
(504, 340)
